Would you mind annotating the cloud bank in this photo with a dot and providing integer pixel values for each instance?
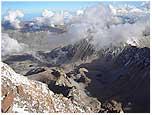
(105, 28)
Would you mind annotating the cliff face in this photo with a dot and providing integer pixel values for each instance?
(19, 94)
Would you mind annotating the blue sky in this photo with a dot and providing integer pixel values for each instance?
(32, 9)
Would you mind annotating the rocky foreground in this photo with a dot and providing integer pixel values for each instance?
(19, 94)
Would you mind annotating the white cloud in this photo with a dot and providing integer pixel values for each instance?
(136, 10)
(13, 18)
(80, 12)
(104, 27)
(113, 10)
(50, 18)
(58, 19)
(10, 45)
(47, 13)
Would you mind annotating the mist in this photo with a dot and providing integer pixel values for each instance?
(10, 46)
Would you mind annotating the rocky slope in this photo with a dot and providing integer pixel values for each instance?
(19, 94)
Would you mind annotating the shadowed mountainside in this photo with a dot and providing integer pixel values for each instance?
(125, 78)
